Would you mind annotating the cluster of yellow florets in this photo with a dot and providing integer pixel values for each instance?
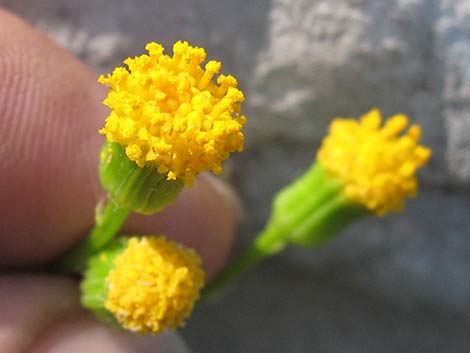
(153, 285)
(377, 164)
(168, 112)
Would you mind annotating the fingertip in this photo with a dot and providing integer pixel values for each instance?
(82, 333)
(50, 111)
(30, 303)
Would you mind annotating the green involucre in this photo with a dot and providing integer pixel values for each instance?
(93, 287)
(142, 190)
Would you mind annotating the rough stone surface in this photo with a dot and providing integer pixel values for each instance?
(397, 284)
(453, 48)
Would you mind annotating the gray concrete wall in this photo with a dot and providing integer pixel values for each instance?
(399, 284)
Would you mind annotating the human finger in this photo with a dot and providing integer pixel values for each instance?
(42, 314)
(50, 111)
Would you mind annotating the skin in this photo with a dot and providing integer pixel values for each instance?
(50, 111)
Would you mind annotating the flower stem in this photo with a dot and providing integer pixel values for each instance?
(266, 244)
(107, 224)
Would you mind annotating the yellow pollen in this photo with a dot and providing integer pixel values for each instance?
(377, 164)
(169, 112)
(154, 284)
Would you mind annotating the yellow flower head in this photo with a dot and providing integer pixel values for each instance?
(153, 285)
(168, 112)
(377, 164)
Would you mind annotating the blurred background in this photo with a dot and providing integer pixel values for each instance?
(398, 284)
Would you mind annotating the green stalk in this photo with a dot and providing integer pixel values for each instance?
(266, 244)
(107, 224)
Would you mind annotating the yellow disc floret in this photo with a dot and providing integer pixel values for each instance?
(153, 285)
(377, 164)
(168, 111)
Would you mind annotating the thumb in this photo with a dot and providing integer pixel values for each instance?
(42, 314)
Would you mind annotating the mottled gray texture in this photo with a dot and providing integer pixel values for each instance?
(453, 49)
(398, 284)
